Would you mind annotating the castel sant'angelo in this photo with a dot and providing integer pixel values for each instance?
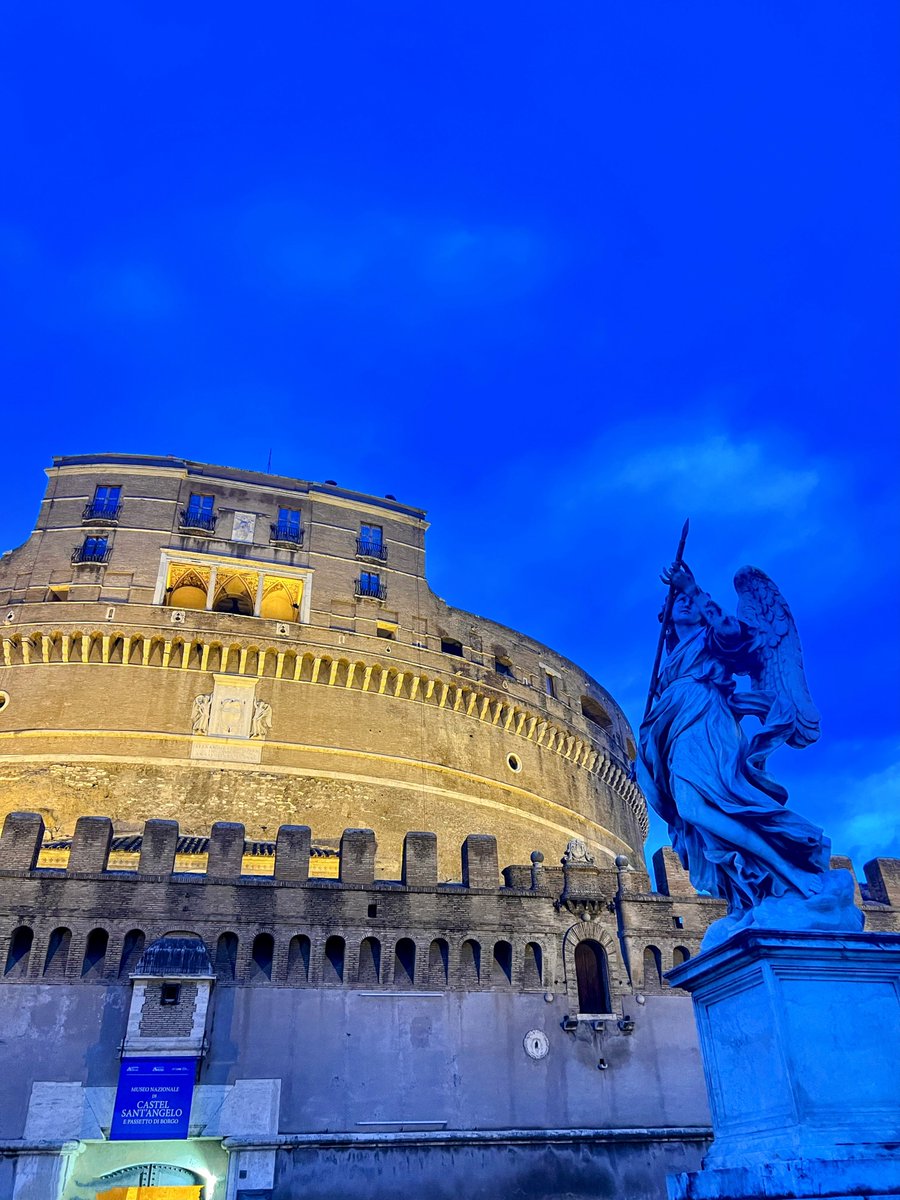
(259, 785)
(222, 645)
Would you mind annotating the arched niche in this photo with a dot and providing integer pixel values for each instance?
(188, 596)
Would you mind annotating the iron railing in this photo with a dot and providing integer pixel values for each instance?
(101, 510)
(292, 535)
(90, 554)
(192, 518)
(374, 591)
(367, 548)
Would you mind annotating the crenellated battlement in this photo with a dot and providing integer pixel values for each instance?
(88, 919)
(880, 893)
(89, 922)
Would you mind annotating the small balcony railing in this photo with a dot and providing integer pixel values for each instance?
(198, 521)
(90, 554)
(101, 512)
(288, 535)
(372, 591)
(367, 548)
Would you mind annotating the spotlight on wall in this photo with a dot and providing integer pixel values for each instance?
(626, 1025)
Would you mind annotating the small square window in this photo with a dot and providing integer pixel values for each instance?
(504, 667)
(370, 543)
(372, 910)
(105, 504)
(170, 993)
(289, 518)
(678, 922)
(383, 630)
(91, 550)
(369, 584)
(451, 646)
(550, 684)
(201, 505)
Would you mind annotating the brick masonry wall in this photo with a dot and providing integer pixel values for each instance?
(168, 1020)
(336, 754)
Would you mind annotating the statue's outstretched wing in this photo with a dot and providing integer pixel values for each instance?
(792, 717)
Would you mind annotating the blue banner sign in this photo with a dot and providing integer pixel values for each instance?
(153, 1099)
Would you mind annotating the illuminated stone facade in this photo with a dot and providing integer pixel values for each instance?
(203, 643)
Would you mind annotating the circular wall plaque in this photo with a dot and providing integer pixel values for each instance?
(536, 1044)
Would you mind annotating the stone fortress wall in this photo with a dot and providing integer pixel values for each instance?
(88, 921)
(361, 1025)
(205, 664)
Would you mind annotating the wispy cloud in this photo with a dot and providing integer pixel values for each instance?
(432, 258)
(716, 473)
(867, 807)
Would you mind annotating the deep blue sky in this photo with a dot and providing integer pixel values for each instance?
(562, 275)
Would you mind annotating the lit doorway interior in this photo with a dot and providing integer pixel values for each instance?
(193, 1169)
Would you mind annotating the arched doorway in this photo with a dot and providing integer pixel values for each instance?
(592, 975)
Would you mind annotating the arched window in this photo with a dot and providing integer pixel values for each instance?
(298, 959)
(94, 952)
(502, 963)
(277, 604)
(132, 949)
(369, 961)
(469, 963)
(652, 968)
(595, 713)
(226, 957)
(405, 963)
(533, 966)
(680, 955)
(592, 975)
(438, 959)
(57, 953)
(333, 967)
(233, 596)
(187, 587)
(263, 955)
(19, 951)
(188, 596)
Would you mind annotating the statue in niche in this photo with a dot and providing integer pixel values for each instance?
(577, 854)
(262, 719)
(200, 714)
(708, 781)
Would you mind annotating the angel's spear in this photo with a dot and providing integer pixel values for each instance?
(667, 616)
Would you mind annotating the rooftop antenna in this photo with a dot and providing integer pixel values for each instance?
(269, 464)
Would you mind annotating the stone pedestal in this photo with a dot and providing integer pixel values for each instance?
(800, 1035)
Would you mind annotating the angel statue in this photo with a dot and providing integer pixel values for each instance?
(707, 779)
(261, 721)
